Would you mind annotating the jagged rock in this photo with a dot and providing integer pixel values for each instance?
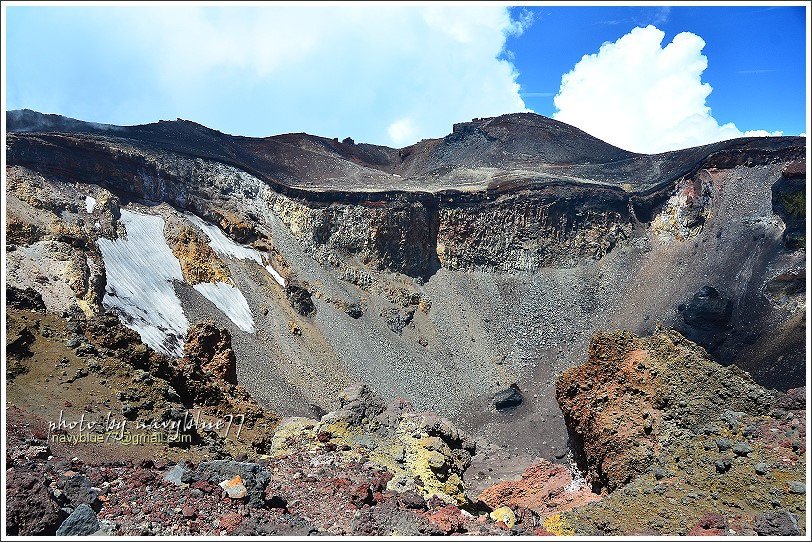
(208, 348)
(82, 522)
(633, 393)
(423, 452)
(508, 398)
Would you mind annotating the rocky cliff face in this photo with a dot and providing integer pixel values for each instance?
(443, 272)
(162, 268)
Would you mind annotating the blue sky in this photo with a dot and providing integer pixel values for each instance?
(664, 78)
(756, 55)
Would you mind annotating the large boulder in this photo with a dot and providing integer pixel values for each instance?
(82, 522)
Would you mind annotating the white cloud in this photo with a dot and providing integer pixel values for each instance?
(402, 131)
(387, 74)
(643, 97)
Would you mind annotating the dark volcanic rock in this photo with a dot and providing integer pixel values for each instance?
(25, 299)
(254, 477)
(82, 522)
(508, 398)
(77, 490)
(777, 523)
(30, 509)
(300, 299)
(707, 317)
(789, 202)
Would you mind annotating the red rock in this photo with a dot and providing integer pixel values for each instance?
(448, 518)
(710, 525)
(205, 486)
(189, 512)
(542, 487)
(230, 522)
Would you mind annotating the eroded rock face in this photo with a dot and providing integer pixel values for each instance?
(789, 202)
(707, 317)
(198, 262)
(530, 230)
(633, 394)
(686, 210)
(208, 349)
(662, 428)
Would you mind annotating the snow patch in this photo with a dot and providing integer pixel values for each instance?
(90, 203)
(140, 270)
(230, 301)
(224, 246)
(277, 277)
(221, 244)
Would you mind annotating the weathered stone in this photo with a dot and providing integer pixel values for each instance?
(82, 522)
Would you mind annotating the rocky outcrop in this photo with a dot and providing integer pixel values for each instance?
(789, 202)
(30, 508)
(198, 262)
(208, 366)
(529, 230)
(685, 211)
(423, 452)
(545, 488)
(661, 428)
(634, 394)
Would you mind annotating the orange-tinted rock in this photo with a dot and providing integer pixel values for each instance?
(542, 488)
(608, 400)
(635, 393)
(209, 348)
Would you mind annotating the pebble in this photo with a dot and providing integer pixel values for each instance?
(723, 444)
(797, 488)
(723, 465)
(742, 449)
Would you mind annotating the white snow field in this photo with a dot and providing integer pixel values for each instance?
(140, 270)
(90, 204)
(230, 301)
(221, 244)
